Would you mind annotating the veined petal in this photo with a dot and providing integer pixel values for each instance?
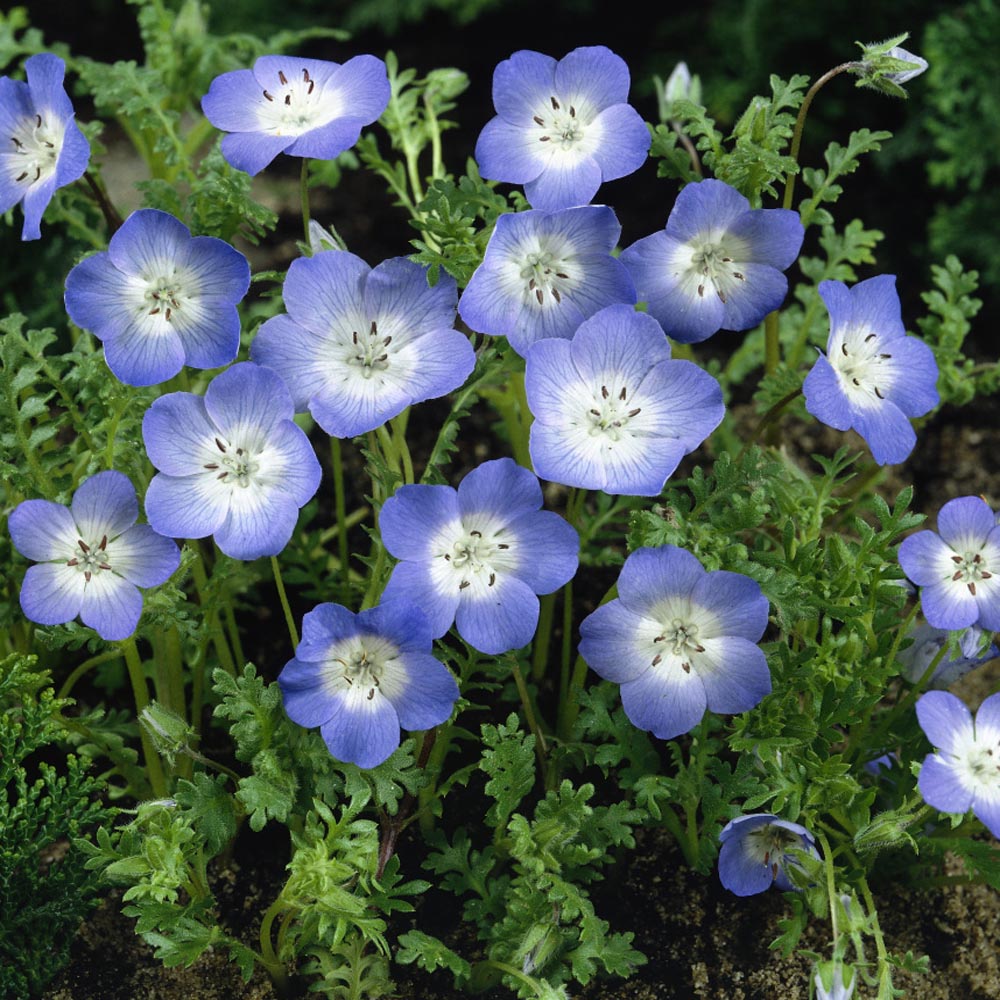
(512, 152)
(825, 397)
(299, 355)
(550, 547)
(362, 731)
(949, 605)
(678, 400)
(913, 372)
(430, 693)
(230, 103)
(734, 672)
(608, 643)
(946, 721)
(307, 691)
(940, 786)
(494, 619)
(288, 463)
(742, 873)
(209, 333)
(522, 84)
(964, 523)
(355, 404)
(414, 581)
(665, 700)
(137, 356)
(500, 486)
(52, 593)
(413, 516)
(260, 522)
(143, 557)
(251, 152)
(592, 76)
(111, 606)
(565, 182)
(709, 201)
(886, 430)
(396, 292)
(42, 531)
(624, 144)
(733, 605)
(326, 290)
(148, 241)
(179, 436)
(246, 401)
(749, 299)
(650, 574)
(104, 504)
(773, 235)
(191, 506)
(215, 269)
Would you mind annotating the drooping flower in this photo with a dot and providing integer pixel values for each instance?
(160, 298)
(232, 464)
(964, 774)
(612, 410)
(886, 66)
(91, 557)
(873, 378)
(830, 983)
(42, 147)
(927, 644)
(544, 273)
(360, 677)
(359, 345)
(957, 567)
(302, 107)
(478, 556)
(718, 263)
(562, 128)
(679, 639)
(757, 852)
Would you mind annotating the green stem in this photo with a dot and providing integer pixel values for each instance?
(140, 692)
(271, 962)
(87, 665)
(543, 636)
(304, 196)
(280, 584)
(831, 883)
(340, 508)
(884, 970)
(772, 343)
(233, 633)
(529, 712)
(212, 618)
(768, 418)
(110, 213)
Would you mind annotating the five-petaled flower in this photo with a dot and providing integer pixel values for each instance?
(41, 146)
(873, 378)
(957, 567)
(232, 464)
(964, 774)
(679, 639)
(91, 558)
(544, 273)
(360, 677)
(758, 850)
(612, 410)
(302, 107)
(160, 298)
(718, 263)
(359, 344)
(562, 128)
(478, 556)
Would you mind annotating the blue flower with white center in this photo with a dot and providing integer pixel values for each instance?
(478, 556)
(873, 378)
(679, 639)
(91, 557)
(964, 774)
(957, 567)
(360, 677)
(562, 128)
(758, 850)
(612, 410)
(927, 644)
(302, 107)
(160, 298)
(718, 263)
(41, 146)
(544, 273)
(359, 345)
(232, 464)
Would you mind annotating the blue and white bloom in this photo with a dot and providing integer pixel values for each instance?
(964, 774)
(718, 263)
(612, 410)
(562, 128)
(232, 464)
(41, 146)
(873, 378)
(359, 345)
(478, 556)
(160, 299)
(544, 273)
(957, 567)
(830, 983)
(679, 639)
(927, 644)
(758, 851)
(359, 677)
(302, 107)
(91, 557)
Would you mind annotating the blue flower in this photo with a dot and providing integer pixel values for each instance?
(478, 556)
(544, 273)
(957, 566)
(612, 411)
(873, 377)
(44, 148)
(360, 345)
(92, 557)
(927, 644)
(160, 298)
(964, 774)
(758, 850)
(302, 107)
(359, 677)
(562, 128)
(717, 264)
(679, 639)
(232, 464)
(830, 984)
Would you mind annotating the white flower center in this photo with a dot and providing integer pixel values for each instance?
(475, 557)
(982, 767)
(769, 844)
(35, 150)
(91, 559)
(545, 274)
(681, 638)
(162, 296)
(560, 125)
(713, 265)
(296, 103)
(970, 568)
(369, 351)
(860, 365)
(366, 665)
(611, 413)
(236, 466)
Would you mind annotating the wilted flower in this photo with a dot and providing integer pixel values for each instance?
(757, 852)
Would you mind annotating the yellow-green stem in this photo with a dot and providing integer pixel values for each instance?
(283, 598)
(140, 692)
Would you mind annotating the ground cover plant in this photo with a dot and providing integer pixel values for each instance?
(495, 548)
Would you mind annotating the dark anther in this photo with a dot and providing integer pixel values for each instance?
(312, 86)
(701, 290)
(572, 111)
(166, 315)
(957, 575)
(539, 296)
(463, 585)
(104, 543)
(17, 142)
(531, 285)
(447, 558)
(721, 294)
(885, 356)
(305, 75)
(843, 347)
(738, 276)
(268, 96)
(371, 693)
(211, 466)
(699, 648)
(604, 391)
(538, 121)
(21, 176)
(387, 341)
(38, 172)
(855, 381)
(660, 638)
(544, 138)
(623, 395)
(382, 357)
(656, 660)
(559, 274)
(686, 667)
(282, 77)
(73, 562)
(222, 475)
(220, 446)
(985, 574)
(87, 575)
(38, 121)
(83, 545)
(635, 412)
(878, 393)
(556, 295)
(503, 545)
(288, 99)
(476, 533)
(596, 413)
(972, 588)
(354, 338)
(493, 579)
(103, 566)
(239, 451)
(871, 336)
(555, 104)
(956, 559)
(153, 312)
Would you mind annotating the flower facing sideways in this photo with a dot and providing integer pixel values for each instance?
(91, 557)
(478, 556)
(957, 567)
(830, 983)
(758, 850)
(927, 644)
(302, 107)
(679, 639)
(160, 299)
(964, 773)
(360, 677)
(873, 378)
(41, 146)
(232, 464)
(562, 128)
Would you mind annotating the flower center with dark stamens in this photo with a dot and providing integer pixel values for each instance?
(35, 148)
(715, 268)
(473, 555)
(768, 844)
(970, 568)
(859, 364)
(362, 669)
(983, 765)
(296, 103)
(90, 559)
(236, 466)
(611, 413)
(545, 274)
(162, 297)
(369, 350)
(560, 125)
(681, 638)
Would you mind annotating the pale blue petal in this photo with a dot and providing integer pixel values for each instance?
(143, 557)
(965, 522)
(593, 74)
(292, 466)
(230, 104)
(146, 241)
(327, 289)
(650, 574)
(411, 581)
(608, 643)
(179, 437)
(306, 692)
(749, 301)
(740, 872)
(552, 549)
(914, 389)
(825, 397)
(940, 785)
(511, 153)
(52, 593)
(137, 358)
(522, 86)
(42, 530)
(562, 185)
(247, 401)
(735, 602)
(251, 152)
(504, 618)
(774, 236)
(886, 430)
(949, 605)
(260, 522)
(111, 606)
(430, 694)
(703, 206)
(188, 507)
(734, 672)
(413, 515)
(625, 141)
(500, 486)
(665, 700)
(104, 504)
(361, 731)
(946, 721)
